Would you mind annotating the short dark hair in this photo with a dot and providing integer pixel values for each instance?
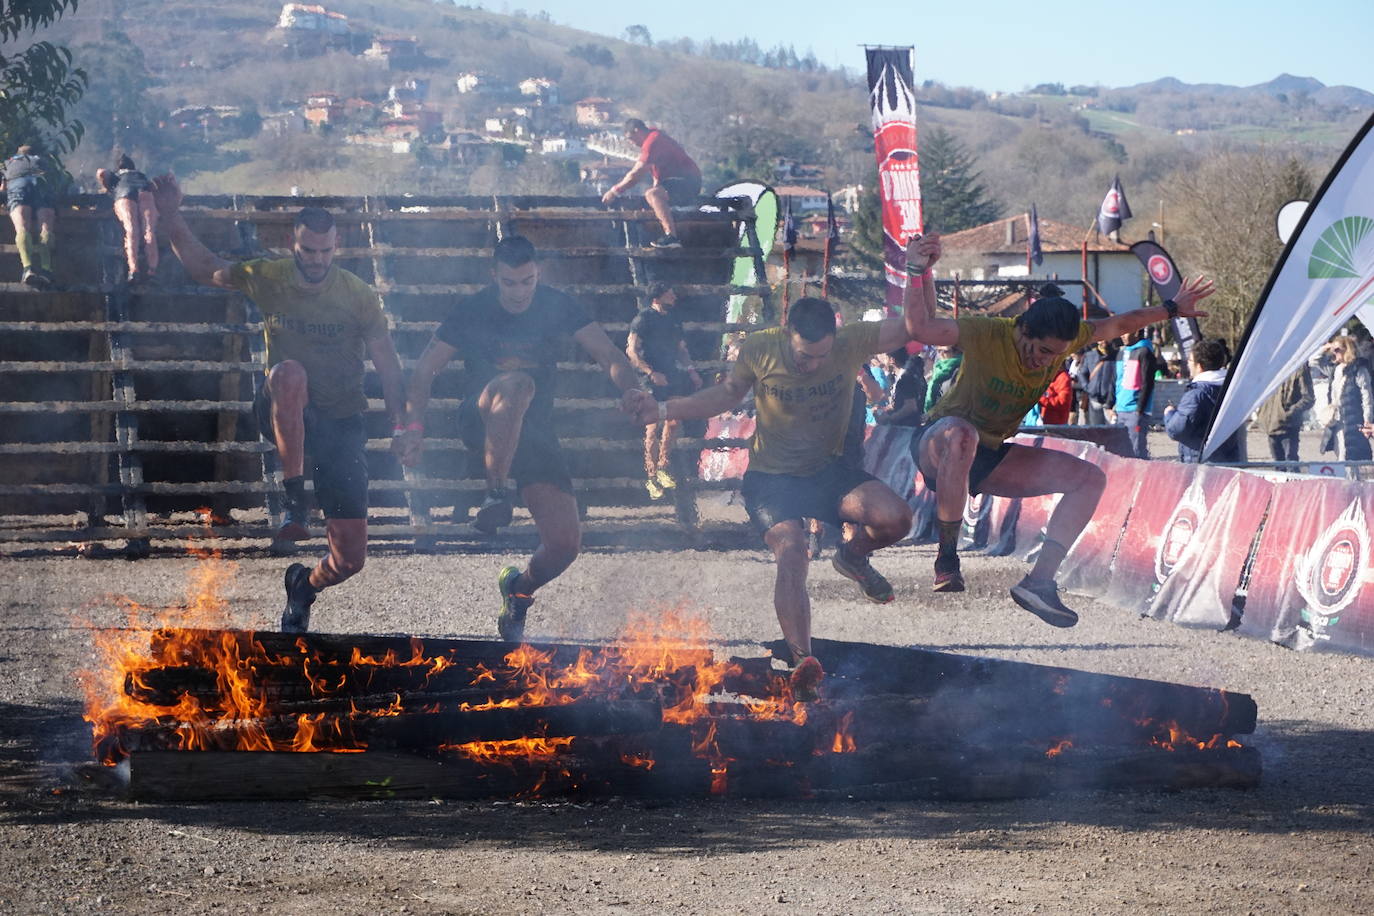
(316, 219)
(898, 355)
(1049, 291)
(124, 162)
(1053, 316)
(513, 251)
(659, 290)
(812, 318)
(1211, 353)
(632, 124)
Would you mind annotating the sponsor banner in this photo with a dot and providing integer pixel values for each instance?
(1088, 565)
(1134, 578)
(1313, 580)
(1322, 279)
(977, 517)
(1034, 512)
(727, 463)
(1002, 526)
(1165, 279)
(1200, 552)
(892, 101)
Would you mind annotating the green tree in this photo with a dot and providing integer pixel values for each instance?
(40, 85)
(865, 241)
(952, 192)
(117, 111)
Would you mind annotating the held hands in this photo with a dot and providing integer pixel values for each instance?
(1190, 294)
(632, 402)
(924, 249)
(167, 193)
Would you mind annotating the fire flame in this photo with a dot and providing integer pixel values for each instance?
(1060, 746)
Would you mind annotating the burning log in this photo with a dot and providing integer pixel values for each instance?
(970, 690)
(504, 723)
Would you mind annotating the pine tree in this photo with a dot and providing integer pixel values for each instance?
(952, 194)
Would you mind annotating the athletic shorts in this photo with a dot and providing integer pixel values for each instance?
(336, 457)
(538, 456)
(29, 191)
(682, 190)
(774, 498)
(855, 433)
(679, 386)
(984, 460)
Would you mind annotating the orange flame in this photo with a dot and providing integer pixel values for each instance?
(1060, 746)
(844, 737)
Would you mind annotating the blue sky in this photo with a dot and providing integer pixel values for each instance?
(1009, 45)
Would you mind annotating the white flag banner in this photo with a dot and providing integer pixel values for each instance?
(1324, 277)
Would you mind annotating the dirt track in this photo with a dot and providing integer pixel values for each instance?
(1301, 843)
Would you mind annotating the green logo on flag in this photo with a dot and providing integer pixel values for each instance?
(1334, 254)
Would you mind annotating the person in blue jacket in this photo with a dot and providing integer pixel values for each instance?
(1187, 423)
(1135, 389)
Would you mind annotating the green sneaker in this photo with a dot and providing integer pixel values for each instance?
(511, 623)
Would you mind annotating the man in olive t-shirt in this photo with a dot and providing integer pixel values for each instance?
(1008, 364)
(802, 376)
(320, 321)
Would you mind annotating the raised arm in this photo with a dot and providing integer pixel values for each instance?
(918, 303)
(1192, 292)
(203, 265)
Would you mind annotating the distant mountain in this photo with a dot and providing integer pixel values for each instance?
(1285, 85)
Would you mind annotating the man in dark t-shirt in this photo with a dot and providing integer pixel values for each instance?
(509, 335)
(676, 177)
(657, 349)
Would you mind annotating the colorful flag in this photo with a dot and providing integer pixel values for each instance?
(1324, 276)
(1165, 279)
(1033, 250)
(832, 228)
(789, 229)
(893, 104)
(1114, 210)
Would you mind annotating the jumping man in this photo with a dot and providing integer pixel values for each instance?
(319, 320)
(509, 335)
(1008, 364)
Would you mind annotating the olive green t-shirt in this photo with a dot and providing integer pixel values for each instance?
(801, 419)
(992, 390)
(322, 329)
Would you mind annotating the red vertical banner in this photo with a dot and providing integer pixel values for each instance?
(892, 99)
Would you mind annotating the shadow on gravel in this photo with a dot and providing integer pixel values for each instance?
(1316, 780)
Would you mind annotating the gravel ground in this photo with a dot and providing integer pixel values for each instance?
(1299, 844)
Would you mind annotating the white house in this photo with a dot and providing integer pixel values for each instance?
(804, 199)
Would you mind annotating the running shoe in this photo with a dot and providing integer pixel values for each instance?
(1043, 601)
(31, 279)
(495, 512)
(665, 480)
(667, 241)
(300, 594)
(654, 487)
(511, 623)
(806, 680)
(875, 588)
(295, 524)
(948, 577)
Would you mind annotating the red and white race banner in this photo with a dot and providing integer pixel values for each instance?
(892, 102)
(730, 462)
(887, 456)
(1134, 579)
(1089, 562)
(1312, 584)
(1199, 553)
(1034, 513)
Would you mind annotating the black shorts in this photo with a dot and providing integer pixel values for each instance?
(984, 460)
(682, 190)
(336, 457)
(858, 426)
(679, 386)
(29, 191)
(538, 456)
(774, 498)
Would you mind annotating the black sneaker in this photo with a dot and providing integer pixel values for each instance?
(295, 525)
(495, 512)
(667, 241)
(1043, 601)
(875, 588)
(948, 576)
(511, 623)
(300, 594)
(32, 279)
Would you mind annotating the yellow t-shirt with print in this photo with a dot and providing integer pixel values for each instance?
(993, 391)
(801, 419)
(324, 329)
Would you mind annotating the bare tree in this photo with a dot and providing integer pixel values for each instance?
(1221, 222)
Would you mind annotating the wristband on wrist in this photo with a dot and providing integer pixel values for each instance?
(1171, 308)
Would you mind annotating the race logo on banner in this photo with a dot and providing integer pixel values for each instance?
(1180, 530)
(1165, 279)
(1330, 574)
(893, 103)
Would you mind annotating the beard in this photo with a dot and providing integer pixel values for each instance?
(311, 274)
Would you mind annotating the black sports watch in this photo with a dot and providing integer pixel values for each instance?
(1171, 309)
